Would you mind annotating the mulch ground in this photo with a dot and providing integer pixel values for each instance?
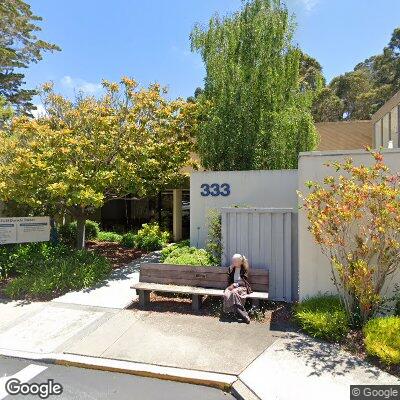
(277, 314)
(118, 255)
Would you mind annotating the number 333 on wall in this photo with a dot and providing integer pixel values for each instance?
(215, 189)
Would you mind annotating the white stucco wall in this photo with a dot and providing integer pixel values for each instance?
(247, 188)
(314, 267)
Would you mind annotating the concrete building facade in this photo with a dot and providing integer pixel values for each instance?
(386, 122)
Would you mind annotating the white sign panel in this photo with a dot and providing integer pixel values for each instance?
(24, 230)
(8, 231)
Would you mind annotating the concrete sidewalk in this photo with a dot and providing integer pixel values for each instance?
(194, 342)
(270, 364)
(298, 367)
(47, 327)
(116, 292)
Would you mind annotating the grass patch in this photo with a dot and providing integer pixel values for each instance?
(323, 317)
(41, 270)
(382, 339)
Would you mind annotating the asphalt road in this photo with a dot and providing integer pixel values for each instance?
(84, 384)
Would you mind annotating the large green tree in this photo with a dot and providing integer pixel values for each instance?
(19, 47)
(360, 93)
(82, 154)
(253, 105)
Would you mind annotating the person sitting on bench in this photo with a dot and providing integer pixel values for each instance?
(239, 287)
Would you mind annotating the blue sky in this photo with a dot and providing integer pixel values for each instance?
(149, 39)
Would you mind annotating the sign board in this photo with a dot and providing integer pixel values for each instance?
(24, 229)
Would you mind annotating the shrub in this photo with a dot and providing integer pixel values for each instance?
(323, 317)
(109, 237)
(167, 250)
(68, 232)
(355, 218)
(44, 270)
(382, 339)
(6, 265)
(189, 256)
(128, 240)
(150, 237)
(214, 239)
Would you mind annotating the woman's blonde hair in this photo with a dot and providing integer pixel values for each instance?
(244, 261)
(245, 264)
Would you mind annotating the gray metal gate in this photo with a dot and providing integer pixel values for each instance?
(268, 239)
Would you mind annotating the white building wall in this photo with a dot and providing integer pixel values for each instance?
(394, 126)
(386, 134)
(378, 134)
(246, 188)
(314, 267)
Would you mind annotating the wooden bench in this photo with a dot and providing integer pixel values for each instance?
(196, 281)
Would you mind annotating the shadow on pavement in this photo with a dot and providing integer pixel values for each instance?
(326, 357)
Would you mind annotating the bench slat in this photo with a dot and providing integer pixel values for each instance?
(256, 272)
(189, 290)
(206, 276)
(209, 277)
(196, 283)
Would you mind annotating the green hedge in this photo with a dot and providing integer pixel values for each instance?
(167, 250)
(68, 232)
(45, 270)
(382, 339)
(149, 238)
(109, 237)
(128, 240)
(189, 256)
(323, 317)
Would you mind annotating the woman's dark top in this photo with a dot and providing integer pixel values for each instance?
(243, 274)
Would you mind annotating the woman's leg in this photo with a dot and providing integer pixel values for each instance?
(227, 303)
(241, 311)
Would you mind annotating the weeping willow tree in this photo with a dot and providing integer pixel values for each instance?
(255, 114)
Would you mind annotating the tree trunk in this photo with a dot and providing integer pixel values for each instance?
(159, 207)
(54, 239)
(80, 232)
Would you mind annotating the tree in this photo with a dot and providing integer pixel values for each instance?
(19, 47)
(348, 88)
(355, 218)
(6, 112)
(310, 74)
(327, 106)
(251, 85)
(82, 154)
(358, 94)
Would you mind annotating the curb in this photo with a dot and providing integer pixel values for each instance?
(242, 392)
(211, 379)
